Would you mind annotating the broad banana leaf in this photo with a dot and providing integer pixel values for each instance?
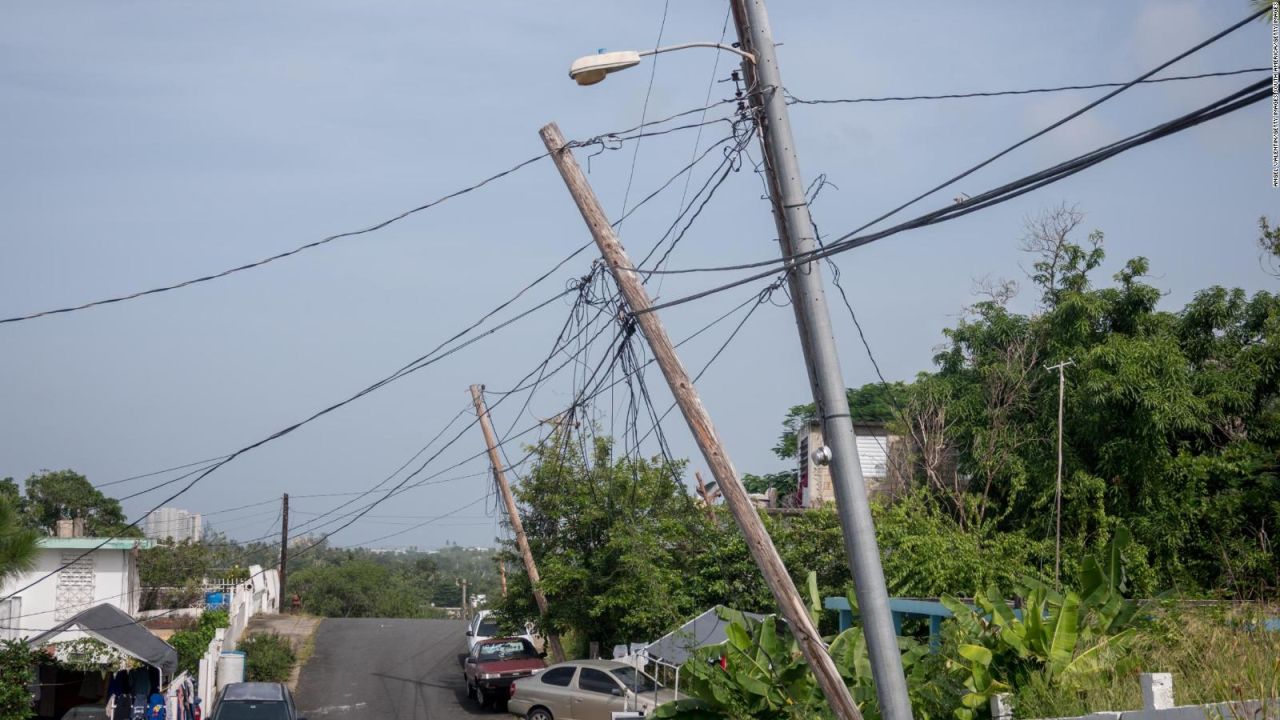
(1063, 627)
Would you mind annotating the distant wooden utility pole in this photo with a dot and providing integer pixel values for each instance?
(706, 495)
(463, 609)
(284, 550)
(1057, 496)
(735, 495)
(502, 576)
(517, 527)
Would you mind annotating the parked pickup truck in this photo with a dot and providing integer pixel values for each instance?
(493, 664)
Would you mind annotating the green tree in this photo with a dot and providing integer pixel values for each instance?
(357, 588)
(53, 495)
(18, 545)
(1170, 423)
(178, 567)
(613, 537)
(17, 670)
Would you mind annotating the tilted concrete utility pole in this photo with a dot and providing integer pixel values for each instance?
(796, 233)
(758, 541)
(517, 527)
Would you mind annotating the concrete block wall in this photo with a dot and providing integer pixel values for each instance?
(1158, 704)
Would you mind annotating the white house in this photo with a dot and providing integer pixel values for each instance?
(105, 575)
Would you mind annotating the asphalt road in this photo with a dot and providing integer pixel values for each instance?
(388, 670)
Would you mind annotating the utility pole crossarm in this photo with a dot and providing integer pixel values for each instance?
(744, 512)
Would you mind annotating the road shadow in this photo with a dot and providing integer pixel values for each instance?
(456, 688)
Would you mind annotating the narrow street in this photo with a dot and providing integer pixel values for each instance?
(386, 669)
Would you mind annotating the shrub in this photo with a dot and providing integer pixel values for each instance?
(192, 644)
(17, 669)
(268, 658)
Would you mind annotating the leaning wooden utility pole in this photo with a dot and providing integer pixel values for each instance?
(517, 527)
(735, 496)
(284, 550)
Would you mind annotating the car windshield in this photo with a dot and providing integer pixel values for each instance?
(636, 681)
(251, 710)
(488, 629)
(507, 650)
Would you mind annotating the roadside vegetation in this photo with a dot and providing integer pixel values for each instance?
(268, 657)
(17, 671)
(1170, 494)
(1171, 470)
(192, 643)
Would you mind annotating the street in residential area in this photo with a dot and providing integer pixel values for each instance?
(386, 668)
(582, 360)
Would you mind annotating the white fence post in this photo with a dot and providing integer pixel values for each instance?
(1001, 708)
(1157, 691)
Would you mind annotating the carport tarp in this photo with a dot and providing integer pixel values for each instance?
(707, 629)
(117, 628)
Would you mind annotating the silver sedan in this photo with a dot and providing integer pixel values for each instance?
(586, 690)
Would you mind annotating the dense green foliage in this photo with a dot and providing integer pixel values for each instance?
(268, 657)
(172, 573)
(625, 555)
(361, 583)
(1069, 641)
(192, 644)
(613, 537)
(51, 496)
(18, 545)
(336, 582)
(17, 670)
(759, 673)
(357, 588)
(1172, 424)
(1073, 640)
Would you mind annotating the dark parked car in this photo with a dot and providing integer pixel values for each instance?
(493, 664)
(255, 701)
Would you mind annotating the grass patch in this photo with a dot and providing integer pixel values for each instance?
(1220, 653)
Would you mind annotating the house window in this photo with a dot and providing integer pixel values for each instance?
(75, 585)
(10, 618)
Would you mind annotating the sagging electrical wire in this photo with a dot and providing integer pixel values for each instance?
(622, 137)
(793, 100)
(436, 355)
(1249, 95)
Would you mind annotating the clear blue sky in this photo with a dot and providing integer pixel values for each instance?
(147, 142)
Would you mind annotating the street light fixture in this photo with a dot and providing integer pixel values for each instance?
(591, 69)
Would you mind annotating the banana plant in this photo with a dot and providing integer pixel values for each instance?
(1076, 639)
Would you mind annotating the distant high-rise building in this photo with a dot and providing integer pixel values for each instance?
(173, 523)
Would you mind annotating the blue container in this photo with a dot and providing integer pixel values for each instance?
(214, 600)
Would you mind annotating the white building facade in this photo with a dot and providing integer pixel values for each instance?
(105, 575)
(173, 523)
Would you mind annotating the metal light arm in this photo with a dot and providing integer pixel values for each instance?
(719, 46)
